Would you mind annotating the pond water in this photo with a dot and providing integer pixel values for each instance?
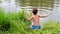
(44, 6)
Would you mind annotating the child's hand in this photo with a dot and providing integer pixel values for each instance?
(27, 15)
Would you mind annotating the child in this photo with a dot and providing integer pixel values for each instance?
(35, 18)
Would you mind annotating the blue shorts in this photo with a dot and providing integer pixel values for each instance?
(36, 27)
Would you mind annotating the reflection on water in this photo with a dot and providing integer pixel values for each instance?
(41, 4)
(44, 6)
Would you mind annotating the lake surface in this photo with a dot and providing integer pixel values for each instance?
(44, 6)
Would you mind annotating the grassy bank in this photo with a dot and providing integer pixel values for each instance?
(16, 23)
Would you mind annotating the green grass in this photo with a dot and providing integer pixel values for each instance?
(16, 23)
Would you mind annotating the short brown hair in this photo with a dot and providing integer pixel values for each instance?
(35, 11)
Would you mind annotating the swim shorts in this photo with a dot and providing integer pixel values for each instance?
(36, 27)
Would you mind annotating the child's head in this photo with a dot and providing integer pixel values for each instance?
(35, 11)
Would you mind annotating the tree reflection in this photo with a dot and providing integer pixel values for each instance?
(36, 3)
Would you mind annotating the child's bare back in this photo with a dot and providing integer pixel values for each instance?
(36, 17)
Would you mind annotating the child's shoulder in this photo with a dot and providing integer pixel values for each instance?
(38, 13)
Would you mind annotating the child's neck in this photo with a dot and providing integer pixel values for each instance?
(35, 14)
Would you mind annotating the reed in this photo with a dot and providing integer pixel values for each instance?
(16, 23)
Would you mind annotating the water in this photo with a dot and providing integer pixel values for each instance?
(44, 6)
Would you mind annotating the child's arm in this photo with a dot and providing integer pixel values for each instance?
(28, 16)
(46, 15)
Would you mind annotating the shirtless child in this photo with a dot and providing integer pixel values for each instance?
(35, 18)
